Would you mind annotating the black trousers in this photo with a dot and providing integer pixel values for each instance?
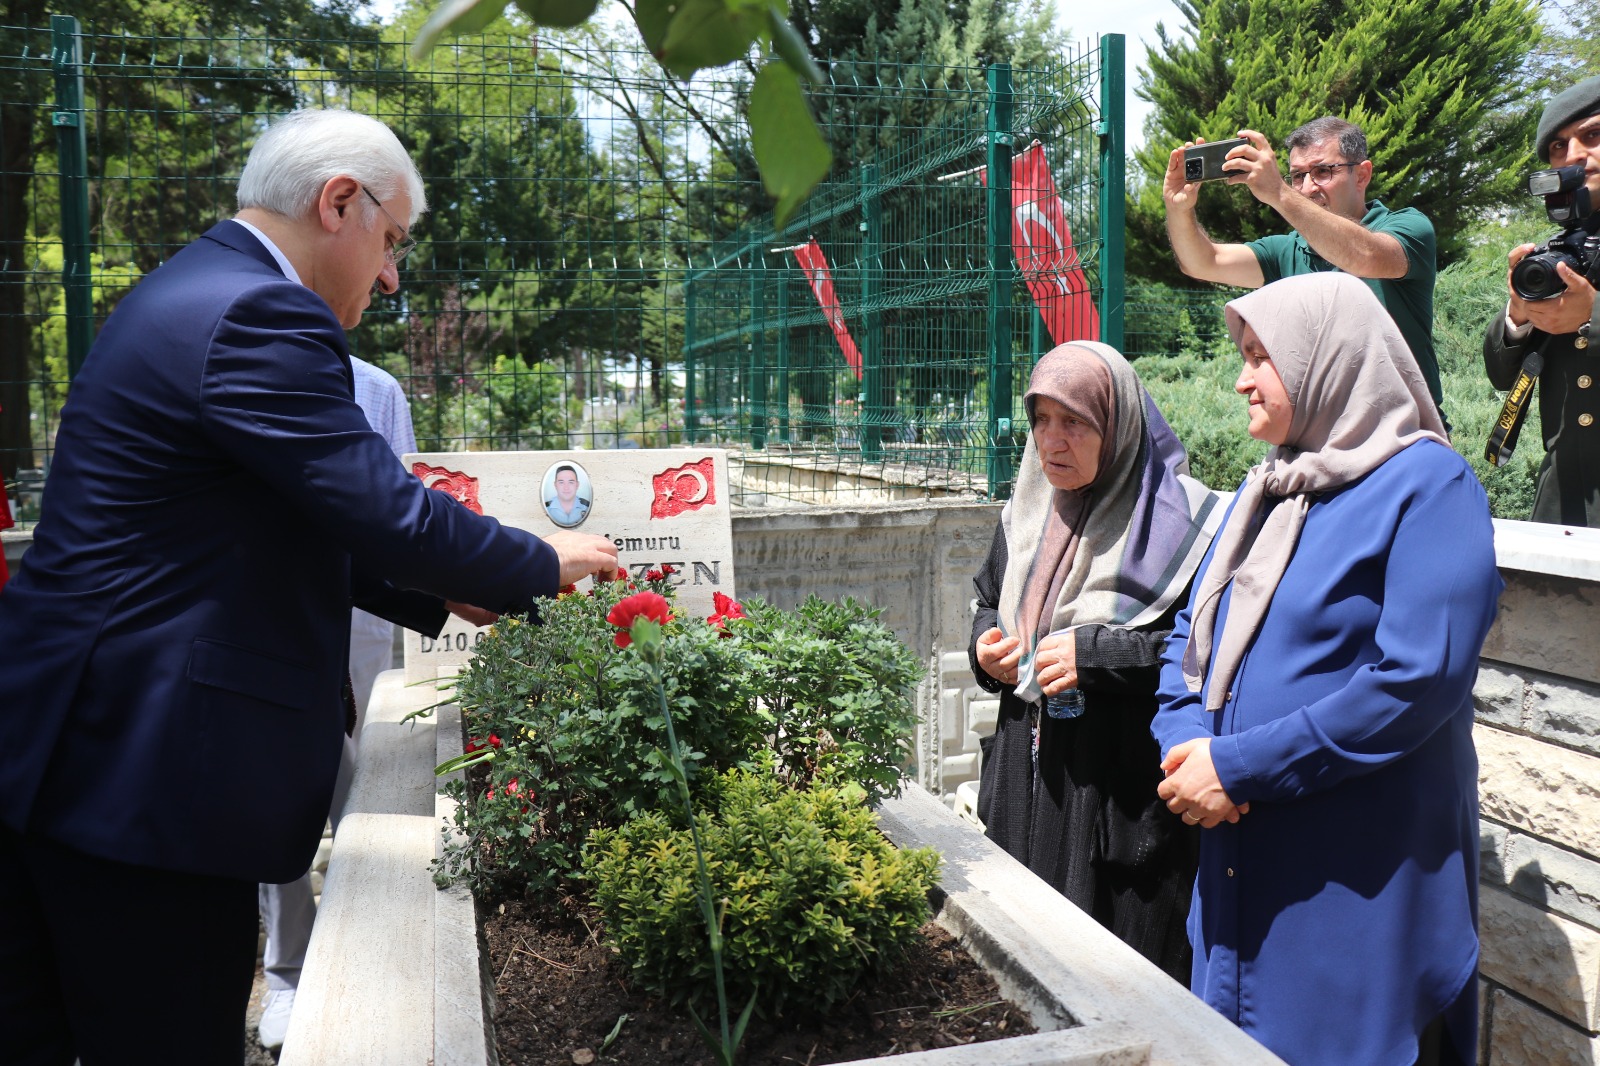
(119, 965)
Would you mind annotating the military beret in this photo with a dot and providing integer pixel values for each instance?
(1580, 101)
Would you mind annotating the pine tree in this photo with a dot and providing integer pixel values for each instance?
(1439, 86)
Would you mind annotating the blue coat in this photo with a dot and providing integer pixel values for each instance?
(1339, 916)
(173, 649)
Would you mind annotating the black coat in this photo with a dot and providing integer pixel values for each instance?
(1568, 492)
(1086, 817)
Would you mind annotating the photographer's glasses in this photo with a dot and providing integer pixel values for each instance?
(402, 247)
(1320, 174)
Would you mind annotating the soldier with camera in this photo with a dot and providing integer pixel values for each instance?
(1335, 227)
(1551, 318)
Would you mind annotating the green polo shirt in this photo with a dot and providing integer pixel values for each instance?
(1408, 299)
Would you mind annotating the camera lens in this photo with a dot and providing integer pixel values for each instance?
(1193, 169)
(1535, 278)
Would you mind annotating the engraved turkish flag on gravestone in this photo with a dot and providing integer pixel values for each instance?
(815, 264)
(452, 483)
(1041, 242)
(684, 488)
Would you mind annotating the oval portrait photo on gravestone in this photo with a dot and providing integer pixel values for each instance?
(566, 492)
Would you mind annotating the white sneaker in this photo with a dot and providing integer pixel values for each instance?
(275, 1017)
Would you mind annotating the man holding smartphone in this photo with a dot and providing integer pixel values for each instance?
(1335, 227)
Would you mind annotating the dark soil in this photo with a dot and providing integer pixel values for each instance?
(559, 992)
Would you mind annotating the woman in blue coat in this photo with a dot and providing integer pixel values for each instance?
(1316, 699)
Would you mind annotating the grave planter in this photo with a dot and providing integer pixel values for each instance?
(394, 973)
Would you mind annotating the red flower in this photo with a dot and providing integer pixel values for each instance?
(668, 570)
(494, 741)
(567, 590)
(727, 607)
(474, 744)
(655, 575)
(651, 605)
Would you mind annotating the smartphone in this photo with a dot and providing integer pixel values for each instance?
(1203, 162)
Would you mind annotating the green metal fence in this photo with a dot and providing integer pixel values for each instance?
(597, 268)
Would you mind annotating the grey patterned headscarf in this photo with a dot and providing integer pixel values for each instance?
(1122, 549)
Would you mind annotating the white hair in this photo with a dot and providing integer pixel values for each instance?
(301, 152)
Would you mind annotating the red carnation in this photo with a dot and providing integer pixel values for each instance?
(668, 570)
(655, 575)
(651, 605)
(727, 607)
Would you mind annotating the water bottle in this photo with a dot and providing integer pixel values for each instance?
(1065, 704)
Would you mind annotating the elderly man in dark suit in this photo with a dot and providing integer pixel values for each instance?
(175, 641)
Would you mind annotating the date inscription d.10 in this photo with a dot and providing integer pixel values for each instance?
(456, 642)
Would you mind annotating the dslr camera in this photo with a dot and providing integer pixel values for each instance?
(1567, 203)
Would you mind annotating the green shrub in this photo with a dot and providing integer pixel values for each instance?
(580, 736)
(1195, 393)
(812, 898)
(1467, 296)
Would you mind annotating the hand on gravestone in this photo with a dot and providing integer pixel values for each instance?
(583, 555)
(476, 616)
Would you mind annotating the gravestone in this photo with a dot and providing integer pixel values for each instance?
(660, 507)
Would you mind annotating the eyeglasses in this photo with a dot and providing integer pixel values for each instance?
(401, 248)
(1320, 174)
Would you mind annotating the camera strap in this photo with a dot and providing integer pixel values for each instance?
(1508, 426)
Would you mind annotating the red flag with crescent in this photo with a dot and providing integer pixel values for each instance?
(450, 482)
(1041, 241)
(684, 488)
(815, 264)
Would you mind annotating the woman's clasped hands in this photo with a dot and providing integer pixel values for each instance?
(1192, 788)
(1055, 660)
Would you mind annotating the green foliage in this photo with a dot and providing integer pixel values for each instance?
(1569, 50)
(1467, 296)
(825, 690)
(812, 897)
(1435, 85)
(838, 685)
(790, 151)
(693, 35)
(1195, 393)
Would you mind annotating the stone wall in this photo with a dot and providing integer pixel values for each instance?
(916, 561)
(1538, 739)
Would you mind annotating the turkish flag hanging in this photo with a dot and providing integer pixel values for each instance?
(1041, 241)
(815, 264)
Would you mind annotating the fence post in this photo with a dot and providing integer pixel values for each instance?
(688, 357)
(757, 388)
(997, 163)
(1113, 190)
(66, 54)
(873, 414)
(783, 356)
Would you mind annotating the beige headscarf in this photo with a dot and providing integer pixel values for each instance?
(1358, 399)
(1122, 549)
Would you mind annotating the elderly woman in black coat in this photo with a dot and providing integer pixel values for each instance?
(1092, 559)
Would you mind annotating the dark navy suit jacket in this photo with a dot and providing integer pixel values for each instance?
(173, 648)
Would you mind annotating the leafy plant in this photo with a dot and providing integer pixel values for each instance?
(811, 897)
(827, 689)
